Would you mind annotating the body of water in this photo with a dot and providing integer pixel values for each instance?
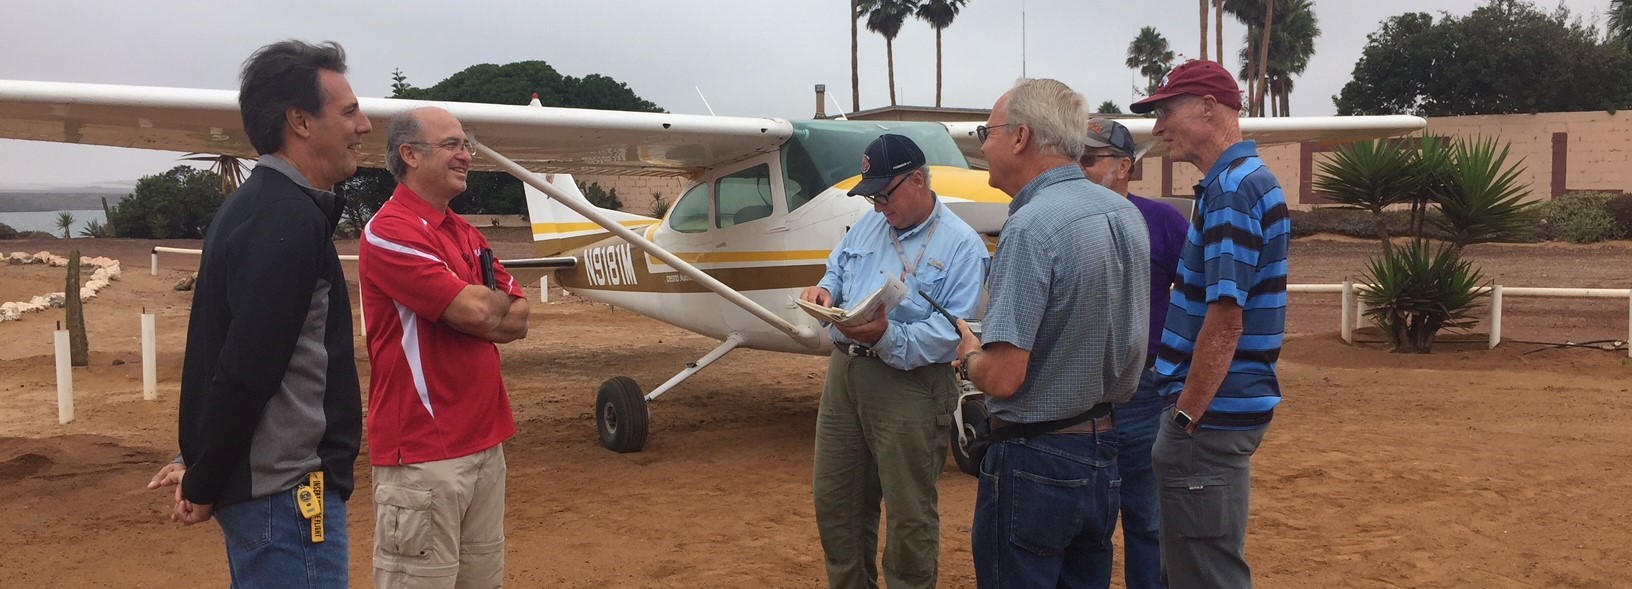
(47, 220)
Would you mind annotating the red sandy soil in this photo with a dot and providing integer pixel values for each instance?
(1464, 468)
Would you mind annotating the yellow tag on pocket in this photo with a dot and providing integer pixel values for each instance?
(307, 502)
(314, 483)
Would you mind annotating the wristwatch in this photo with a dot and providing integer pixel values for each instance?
(1184, 422)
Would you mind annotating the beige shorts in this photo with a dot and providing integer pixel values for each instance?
(440, 524)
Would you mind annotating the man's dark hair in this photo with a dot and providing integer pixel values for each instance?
(279, 77)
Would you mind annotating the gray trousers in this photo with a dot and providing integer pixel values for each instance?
(1204, 482)
(881, 434)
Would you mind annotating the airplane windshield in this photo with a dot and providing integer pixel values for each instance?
(823, 153)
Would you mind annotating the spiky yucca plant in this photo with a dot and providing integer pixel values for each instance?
(1420, 290)
(1371, 176)
(1480, 199)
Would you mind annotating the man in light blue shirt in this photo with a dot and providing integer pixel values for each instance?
(882, 430)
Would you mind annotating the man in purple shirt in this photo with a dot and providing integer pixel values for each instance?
(1108, 160)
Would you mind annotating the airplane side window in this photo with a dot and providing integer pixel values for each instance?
(690, 214)
(743, 196)
(803, 180)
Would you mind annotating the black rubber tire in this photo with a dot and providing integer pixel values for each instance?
(974, 418)
(621, 415)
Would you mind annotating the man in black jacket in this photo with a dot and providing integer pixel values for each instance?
(271, 414)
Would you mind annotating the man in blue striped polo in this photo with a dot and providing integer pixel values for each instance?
(1223, 332)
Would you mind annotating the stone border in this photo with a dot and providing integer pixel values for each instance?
(107, 271)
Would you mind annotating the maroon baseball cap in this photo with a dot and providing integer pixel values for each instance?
(1195, 77)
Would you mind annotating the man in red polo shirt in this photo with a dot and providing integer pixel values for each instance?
(438, 413)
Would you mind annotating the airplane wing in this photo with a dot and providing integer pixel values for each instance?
(1267, 131)
(542, 139)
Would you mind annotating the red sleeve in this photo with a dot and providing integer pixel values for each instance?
(405, 266)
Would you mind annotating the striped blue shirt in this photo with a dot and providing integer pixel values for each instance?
(1236, 250)
(952, 268)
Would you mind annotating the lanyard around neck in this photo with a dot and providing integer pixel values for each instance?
(910, 268)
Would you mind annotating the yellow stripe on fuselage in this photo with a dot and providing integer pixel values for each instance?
(557, 228)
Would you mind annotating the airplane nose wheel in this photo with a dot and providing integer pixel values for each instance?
(621, 415)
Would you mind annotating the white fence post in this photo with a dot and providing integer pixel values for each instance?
(1495, 315)
(544, 288)
(154, 270)
(1346, 320)
(65, 379)
(150, 368)
(1629, 323)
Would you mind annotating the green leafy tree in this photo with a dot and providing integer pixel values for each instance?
(1149, 54)
(1108, 108)
(1504, 57)
(498, 193)
(939, 14)
(65, 222)
(885, 17)
(177, 204)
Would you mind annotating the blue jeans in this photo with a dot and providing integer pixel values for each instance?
(1136, 424)
(270, 545)
(1044, 514)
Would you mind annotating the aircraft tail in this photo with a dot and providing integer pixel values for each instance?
(558, 229)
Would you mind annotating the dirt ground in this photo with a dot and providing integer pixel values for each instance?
(1466, 468)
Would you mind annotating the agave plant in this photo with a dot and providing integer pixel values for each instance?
(94, 229)
(1480, 199)
(1418, 290)
(230, 169)
(1372, 176)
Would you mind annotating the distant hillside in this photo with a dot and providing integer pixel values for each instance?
(59, 199)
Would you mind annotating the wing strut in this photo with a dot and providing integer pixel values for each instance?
(800, 333)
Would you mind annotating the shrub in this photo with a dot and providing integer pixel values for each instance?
(94, 229)
(600, 197)
(1620, 209)
(176, 204)
(6, 232)
(1581, 217)
(1420, 291)
(36, 235)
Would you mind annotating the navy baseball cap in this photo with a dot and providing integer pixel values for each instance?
(888, 156)
(1108, 133)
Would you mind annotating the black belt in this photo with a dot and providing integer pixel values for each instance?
(854, 350)
(1030, 430)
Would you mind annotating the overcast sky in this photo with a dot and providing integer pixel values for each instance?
(758, 58)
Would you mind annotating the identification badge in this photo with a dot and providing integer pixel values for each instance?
(309, 497)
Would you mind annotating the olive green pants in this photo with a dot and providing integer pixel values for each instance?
(881, 434)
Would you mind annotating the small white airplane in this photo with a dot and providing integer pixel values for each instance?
(766, 206)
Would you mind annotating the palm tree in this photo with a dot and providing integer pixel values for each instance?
(1148, 53)
(1250, 13)
(1291, 44)
(65, 221)
(1620, 22)
(939, 14)
(1204, 25)
(1218, 36)
(230, 169)
(885, 17)
(855, 63)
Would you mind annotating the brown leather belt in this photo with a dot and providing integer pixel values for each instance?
(1092, 426)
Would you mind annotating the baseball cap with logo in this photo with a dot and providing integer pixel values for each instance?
(1198, 78)
(888, 156)
(1109, 133)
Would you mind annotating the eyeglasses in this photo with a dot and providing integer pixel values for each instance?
(983, 131)
(883, 199)
(453, 145)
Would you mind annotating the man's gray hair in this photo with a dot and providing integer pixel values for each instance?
(404, 129)
(1056, 115)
